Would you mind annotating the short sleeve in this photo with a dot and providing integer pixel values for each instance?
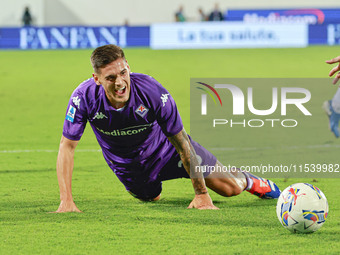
(167, 114)
(76, 117)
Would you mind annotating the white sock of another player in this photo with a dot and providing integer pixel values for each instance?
(336, 101)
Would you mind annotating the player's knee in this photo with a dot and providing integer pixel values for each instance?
(157, 198)
(146, 199)
(143, 198)
(150, 199)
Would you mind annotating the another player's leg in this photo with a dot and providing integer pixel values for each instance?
(231, 182)
(332, 116)
(332, 109)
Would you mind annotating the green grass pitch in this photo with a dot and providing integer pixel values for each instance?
(35, 87)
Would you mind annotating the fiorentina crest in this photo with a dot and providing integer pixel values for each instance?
(141, 110)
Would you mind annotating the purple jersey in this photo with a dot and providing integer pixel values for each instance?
(134, 138)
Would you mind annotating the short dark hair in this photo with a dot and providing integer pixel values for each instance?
(104, 55)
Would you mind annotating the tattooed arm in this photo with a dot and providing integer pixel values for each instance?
(188, 156)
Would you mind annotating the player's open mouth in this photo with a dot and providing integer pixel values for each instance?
(120, 91)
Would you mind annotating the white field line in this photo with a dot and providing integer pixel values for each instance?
(293, 147)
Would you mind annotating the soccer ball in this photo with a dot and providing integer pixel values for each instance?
(302, 208)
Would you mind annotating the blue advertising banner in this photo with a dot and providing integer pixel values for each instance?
(310, 16)
(73, 37)
(324, 34)
(179, 36)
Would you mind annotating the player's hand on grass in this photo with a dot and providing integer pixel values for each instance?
(335, 69)
(67, 206)
(202, 202)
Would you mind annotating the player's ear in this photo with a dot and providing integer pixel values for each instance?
(127, 65)
(96, 78)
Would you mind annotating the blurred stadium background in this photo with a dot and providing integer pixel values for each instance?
(41, 64)
(146, 24)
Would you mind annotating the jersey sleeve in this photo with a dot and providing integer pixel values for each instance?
(167, 114)
(76, 117)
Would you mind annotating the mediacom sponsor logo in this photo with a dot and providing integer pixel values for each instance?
(126, 131)
(309, 16)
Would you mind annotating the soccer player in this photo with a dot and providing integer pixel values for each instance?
(332, 107)
(140, 131)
